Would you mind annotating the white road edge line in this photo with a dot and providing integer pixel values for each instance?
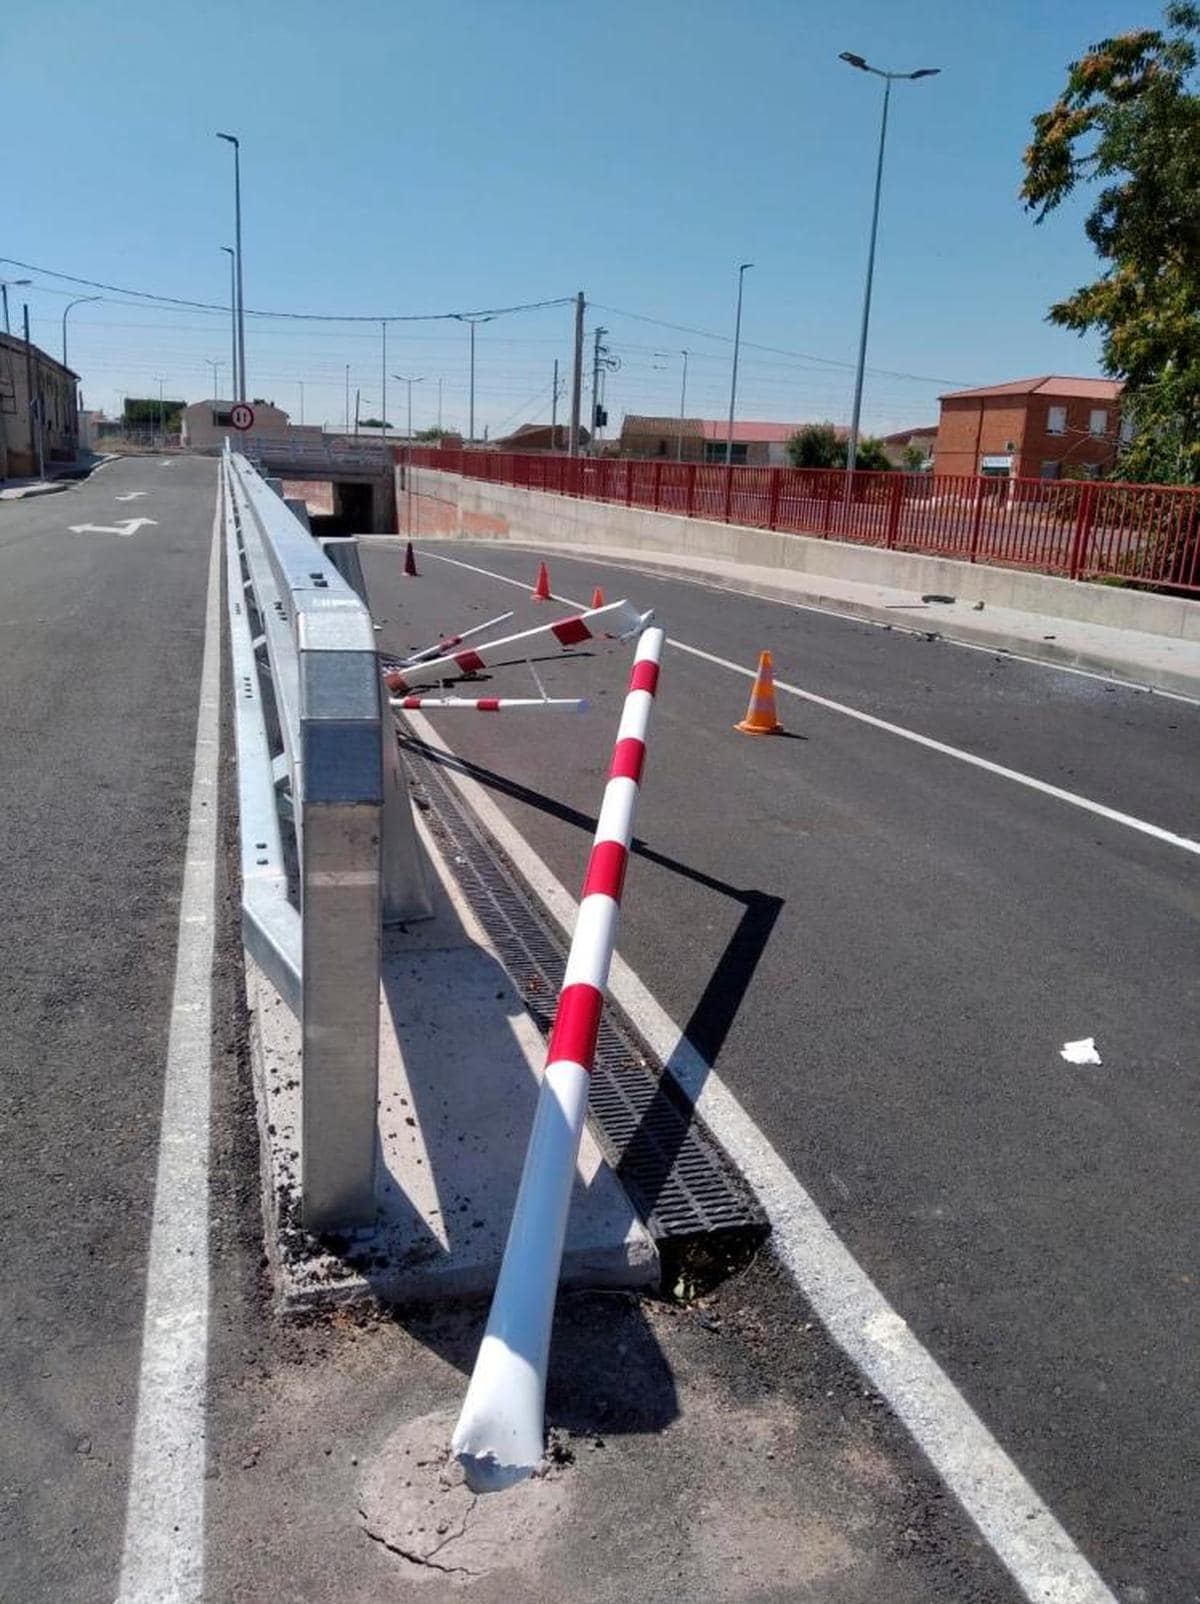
(1016, 1524)
(1113, 815)
(163, 1556)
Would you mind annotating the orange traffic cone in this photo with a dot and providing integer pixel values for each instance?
(597, 598)
(760, 716)
(410, 563)
(541, 591)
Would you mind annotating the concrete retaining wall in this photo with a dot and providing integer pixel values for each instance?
(445, 504)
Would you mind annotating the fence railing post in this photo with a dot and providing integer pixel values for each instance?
(729, 494)
(1083, 528)
(689, 505)
(827, 486)
(977, 518)
(657, 501)
(895, 505)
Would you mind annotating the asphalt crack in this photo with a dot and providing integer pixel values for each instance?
(427, 1561)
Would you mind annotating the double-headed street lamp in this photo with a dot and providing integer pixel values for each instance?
(234, 388)
(78, 301)
(463, 317)
(401, 379)
(232, 139)
(852, 60)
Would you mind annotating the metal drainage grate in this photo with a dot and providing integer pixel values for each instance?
(678, 1179)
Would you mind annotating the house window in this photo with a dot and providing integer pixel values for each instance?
(222, 420)
(1098, 422)
(1126, 431)
(662, 448)
(1056, 420)
(1051, 470)
(714, 451)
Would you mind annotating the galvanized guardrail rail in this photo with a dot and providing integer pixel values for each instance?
(328, 846)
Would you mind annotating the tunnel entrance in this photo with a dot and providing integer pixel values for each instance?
(353, 511)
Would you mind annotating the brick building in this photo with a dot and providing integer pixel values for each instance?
(705, 439)
(50, 423)
(1046, 428)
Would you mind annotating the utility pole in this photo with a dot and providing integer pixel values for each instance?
(347, 424)
(300, 382)
(383, 414)
(357, 395)
(554, 409)
(682, 406)
(439, 406)
(35, 406)
(577, 376)
(214, 364)
(162, 433)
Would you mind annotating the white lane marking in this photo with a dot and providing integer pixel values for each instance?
(1100, 809)
(132, 495)
(1017, 1525)
(163, 1557)
(129, 527)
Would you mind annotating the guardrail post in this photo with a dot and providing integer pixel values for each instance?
(340, 896)
(1083, 528)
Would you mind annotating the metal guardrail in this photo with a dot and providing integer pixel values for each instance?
(328, 846)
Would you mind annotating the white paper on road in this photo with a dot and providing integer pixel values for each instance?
(1080, 1052)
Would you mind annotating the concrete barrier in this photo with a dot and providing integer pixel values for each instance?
(446, 504)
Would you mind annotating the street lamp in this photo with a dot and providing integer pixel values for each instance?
(231, 139)
(682, 401)
(214, 365)
(232, 255)
(79, 301)
(4, 288)
(737, 340)
(462, 317)
(400, 379)
(852, 60)
(161, 429)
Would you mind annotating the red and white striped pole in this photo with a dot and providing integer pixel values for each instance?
(489, 704)
(621, 619)
(444, 646)
(499, 1435)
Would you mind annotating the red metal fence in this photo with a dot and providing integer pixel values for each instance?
(1083, 529)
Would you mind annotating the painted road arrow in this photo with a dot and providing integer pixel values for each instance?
(129, 527)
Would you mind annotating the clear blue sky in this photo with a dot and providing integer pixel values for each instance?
(412, 158)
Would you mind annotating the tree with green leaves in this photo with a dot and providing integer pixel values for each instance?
(1128, 121)
(818, 445)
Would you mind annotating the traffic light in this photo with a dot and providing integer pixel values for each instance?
(600, 418)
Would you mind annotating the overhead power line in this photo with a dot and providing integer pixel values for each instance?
(776, 350)
(301, 317)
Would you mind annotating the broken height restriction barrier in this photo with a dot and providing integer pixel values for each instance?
(499, 1435)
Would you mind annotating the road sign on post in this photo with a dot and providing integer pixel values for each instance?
(242, 416)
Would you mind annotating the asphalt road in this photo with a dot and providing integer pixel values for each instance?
(882, 950)
(101, 638)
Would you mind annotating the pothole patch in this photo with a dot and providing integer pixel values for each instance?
(414, 1501)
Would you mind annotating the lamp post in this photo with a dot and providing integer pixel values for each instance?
(401, 379)
(214, 365)
(737, 341)
(682, 401)
(852, 60)
(347, 398)
(232, 139)
(5, 283)
(78, 301)
(161, 429)
(471, 322)
(233, 326)
(300, 382)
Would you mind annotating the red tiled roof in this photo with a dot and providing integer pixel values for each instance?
(748, 433)
(1046, 384)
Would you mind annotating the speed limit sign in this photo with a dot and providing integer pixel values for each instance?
(242, 416)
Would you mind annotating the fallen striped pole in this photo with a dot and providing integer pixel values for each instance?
(489, 704)
(451, 641)
(499, 1435)
(621, 619)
